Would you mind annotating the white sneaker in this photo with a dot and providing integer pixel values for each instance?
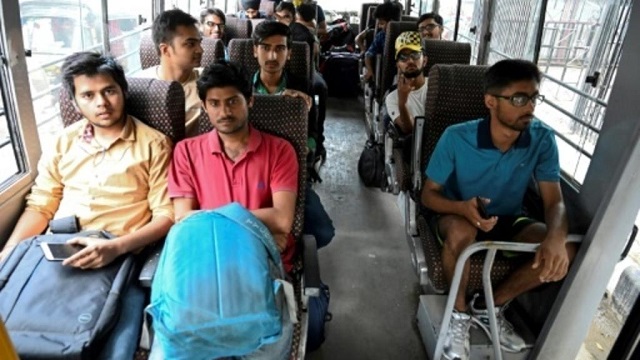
(456, 343)
(510, 341)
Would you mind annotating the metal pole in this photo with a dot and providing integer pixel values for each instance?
(106, 45)
(540, 30)
(457, 25)
(485, 32)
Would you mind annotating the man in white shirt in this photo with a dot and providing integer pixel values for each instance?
(177, 40)
(408, 100)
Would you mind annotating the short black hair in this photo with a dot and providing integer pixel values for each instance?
(165, 25)
(223, 73)
(436, 17)
(505, 72)
(307, 12)
(270, 28)
(212, 11)
(251, 4)
(91, 64)
(287, 6)
(389, 11)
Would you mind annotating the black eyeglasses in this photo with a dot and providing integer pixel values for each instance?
(429, 27)
(415, 56)
(520, 100)
(212, 24)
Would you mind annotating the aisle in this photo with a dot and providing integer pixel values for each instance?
(367, 266)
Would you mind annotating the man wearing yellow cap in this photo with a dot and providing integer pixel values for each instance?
(407, 101)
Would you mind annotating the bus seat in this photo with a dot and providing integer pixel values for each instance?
(236, 28)
(409, 18)
(255, 22)
(364, 15)
(158, 103)
(212, 49)
(455, 94)
(241, 52)
(285, 117)
(437, 52)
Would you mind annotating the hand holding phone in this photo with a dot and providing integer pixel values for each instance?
(59, 251)
(482, 210)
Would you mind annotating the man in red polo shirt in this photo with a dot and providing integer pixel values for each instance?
(236, 162)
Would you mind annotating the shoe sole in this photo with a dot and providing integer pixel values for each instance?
(475, 321)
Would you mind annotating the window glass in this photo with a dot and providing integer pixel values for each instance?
(7, 153)
(126, 23)
(53, 29)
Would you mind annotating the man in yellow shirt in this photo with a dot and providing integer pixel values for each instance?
(108, 169)
(177, 40)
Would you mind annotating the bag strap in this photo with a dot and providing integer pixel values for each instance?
(243, 217)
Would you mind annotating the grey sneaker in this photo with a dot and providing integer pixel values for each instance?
(456, 344)
(510, 341)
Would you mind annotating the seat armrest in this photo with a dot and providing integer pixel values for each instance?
(311, 274)
(150, 257)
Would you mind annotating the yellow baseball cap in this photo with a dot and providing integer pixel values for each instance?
(408, 40)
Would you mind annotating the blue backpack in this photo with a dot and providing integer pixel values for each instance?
(213, 294)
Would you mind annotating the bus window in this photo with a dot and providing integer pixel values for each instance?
(7, 153)
(126, 23)
(53, 29)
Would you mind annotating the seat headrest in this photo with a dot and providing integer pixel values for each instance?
(158, 103)
(455, 94)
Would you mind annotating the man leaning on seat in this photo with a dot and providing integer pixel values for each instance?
(178, 43)
(108, 169)
(494, 159)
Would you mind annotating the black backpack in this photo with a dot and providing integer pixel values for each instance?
(59, 312)
(371, 165)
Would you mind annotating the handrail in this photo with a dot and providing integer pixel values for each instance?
(575, 90)
(573, 117)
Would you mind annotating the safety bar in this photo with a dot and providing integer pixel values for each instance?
(492, 247)
(415, 153)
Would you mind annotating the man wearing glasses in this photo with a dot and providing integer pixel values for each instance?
(212, 25)
(487, 163)
(430, 26)
(407, 101)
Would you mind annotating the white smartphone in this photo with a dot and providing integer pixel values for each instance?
(57, 251)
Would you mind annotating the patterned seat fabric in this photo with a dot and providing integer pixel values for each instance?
(455, 95)
(157, 103)
(238, 28)
(285, 117)
(445, 52)
(212, 49)
(388, 68)
(438, 52)
(241, 52)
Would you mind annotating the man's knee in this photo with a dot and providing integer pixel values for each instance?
(458, 234)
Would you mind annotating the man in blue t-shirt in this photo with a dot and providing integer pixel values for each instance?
(487, 163)
(384, 13)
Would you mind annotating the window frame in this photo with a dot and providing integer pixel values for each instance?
(18, 109)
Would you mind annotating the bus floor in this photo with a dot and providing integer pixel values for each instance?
(374, 290)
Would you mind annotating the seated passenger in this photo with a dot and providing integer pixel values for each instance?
(177, 40)
(300, 31)
(430, 26)
(237, 163)
(494, 159)
(110, 171)
(251, 10)
(408, 100)
(212, 25)
(271, 46)
(384, 13)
